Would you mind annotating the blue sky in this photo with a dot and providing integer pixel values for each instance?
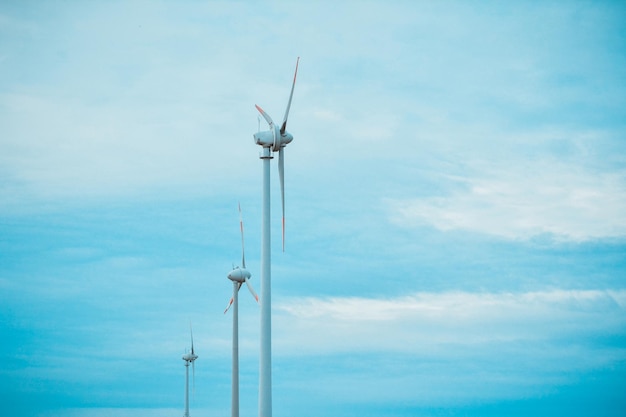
(456, 206)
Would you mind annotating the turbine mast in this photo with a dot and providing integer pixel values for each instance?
(265, 371)
(189, 358)
(186, 389)
(235, 382)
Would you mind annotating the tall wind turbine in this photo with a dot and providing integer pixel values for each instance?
(238, 276)
(189, 358)
(273, 140)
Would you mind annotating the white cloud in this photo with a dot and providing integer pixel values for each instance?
(423, 323)
(438, 349)
(523, 201)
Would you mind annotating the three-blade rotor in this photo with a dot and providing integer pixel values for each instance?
(193, 360)
(241, 274)
(276, 139)
(190, 358)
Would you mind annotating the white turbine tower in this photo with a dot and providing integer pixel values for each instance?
(238, 276)
(273, 140)
(189, 358)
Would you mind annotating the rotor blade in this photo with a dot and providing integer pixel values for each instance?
(230, 303)
(281, 175)
(256, 297)
(284, 126)
(266, 116)
(191, 331)
(243, 255)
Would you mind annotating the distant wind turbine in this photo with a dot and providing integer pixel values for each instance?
(189, 358)
(273, 140)
(238, 276)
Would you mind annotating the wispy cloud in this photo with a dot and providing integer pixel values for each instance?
(423, 322)
(454, 347)
(521, 201)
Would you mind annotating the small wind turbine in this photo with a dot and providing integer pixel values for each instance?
(189, 358)
(238, 276)
(273, 140)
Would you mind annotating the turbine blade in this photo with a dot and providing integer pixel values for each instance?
(256, 297)
(266, 116)
(230, 303)
(281, 175)
(191, 331)
(243, 254)
(284, 126)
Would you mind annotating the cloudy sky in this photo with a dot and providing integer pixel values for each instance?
(456, 206)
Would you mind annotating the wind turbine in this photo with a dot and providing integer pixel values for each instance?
(189, 358)
(273, 140)
(238, 276)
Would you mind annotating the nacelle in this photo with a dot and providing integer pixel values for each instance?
(272, 139)
(265, 138)
(239, 275)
